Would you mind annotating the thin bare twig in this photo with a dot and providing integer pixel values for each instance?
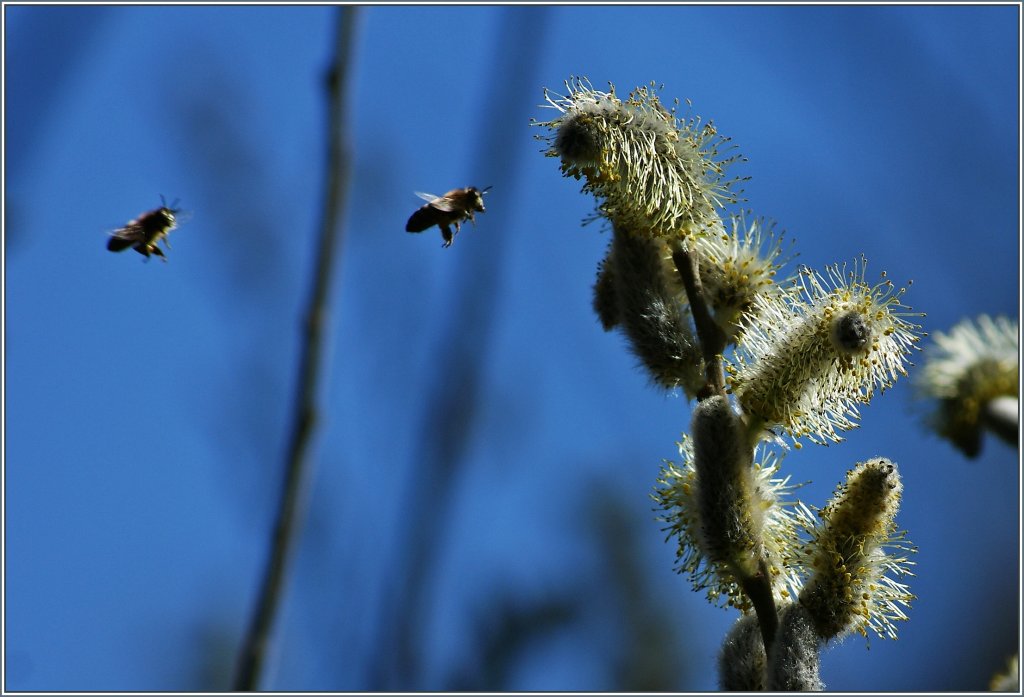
(254, 650)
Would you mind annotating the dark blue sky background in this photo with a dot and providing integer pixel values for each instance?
(147, 404)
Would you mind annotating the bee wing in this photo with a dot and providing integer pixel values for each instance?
(180, 217)
(441, 203)
(132, 231)
(125, 237)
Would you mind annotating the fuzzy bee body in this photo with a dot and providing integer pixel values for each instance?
(143, 233)
(454, 208)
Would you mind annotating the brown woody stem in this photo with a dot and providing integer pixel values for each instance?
(711, 337)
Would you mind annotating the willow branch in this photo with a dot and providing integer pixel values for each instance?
(759, 589)
(254, 651)
(711, 337)
(713, 341)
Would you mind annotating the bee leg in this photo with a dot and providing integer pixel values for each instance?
(159, 252)
(446, 233)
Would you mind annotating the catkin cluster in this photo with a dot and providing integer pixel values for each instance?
(699, 295)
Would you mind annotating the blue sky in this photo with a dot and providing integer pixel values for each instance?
(147, 403)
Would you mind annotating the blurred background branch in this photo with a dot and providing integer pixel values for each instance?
(255, 648)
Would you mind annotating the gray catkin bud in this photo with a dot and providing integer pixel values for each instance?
(723, 460)
(850, 333)
(795, 656)
(741, 661)
(651, 316)
(578, 141)
(606, 301)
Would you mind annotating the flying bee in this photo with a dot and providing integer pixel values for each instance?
(143, 233)
(454, 208)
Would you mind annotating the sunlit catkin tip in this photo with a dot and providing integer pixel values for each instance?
(655, 174)
(968, 371)
(810, 355)
(854, 553)
(741, 660)
(651, 317)
(794, 664)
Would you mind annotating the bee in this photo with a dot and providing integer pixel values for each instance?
(143, 233)
(455, 207)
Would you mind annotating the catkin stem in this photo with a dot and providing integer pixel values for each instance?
(711, 337)
(759, 589)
